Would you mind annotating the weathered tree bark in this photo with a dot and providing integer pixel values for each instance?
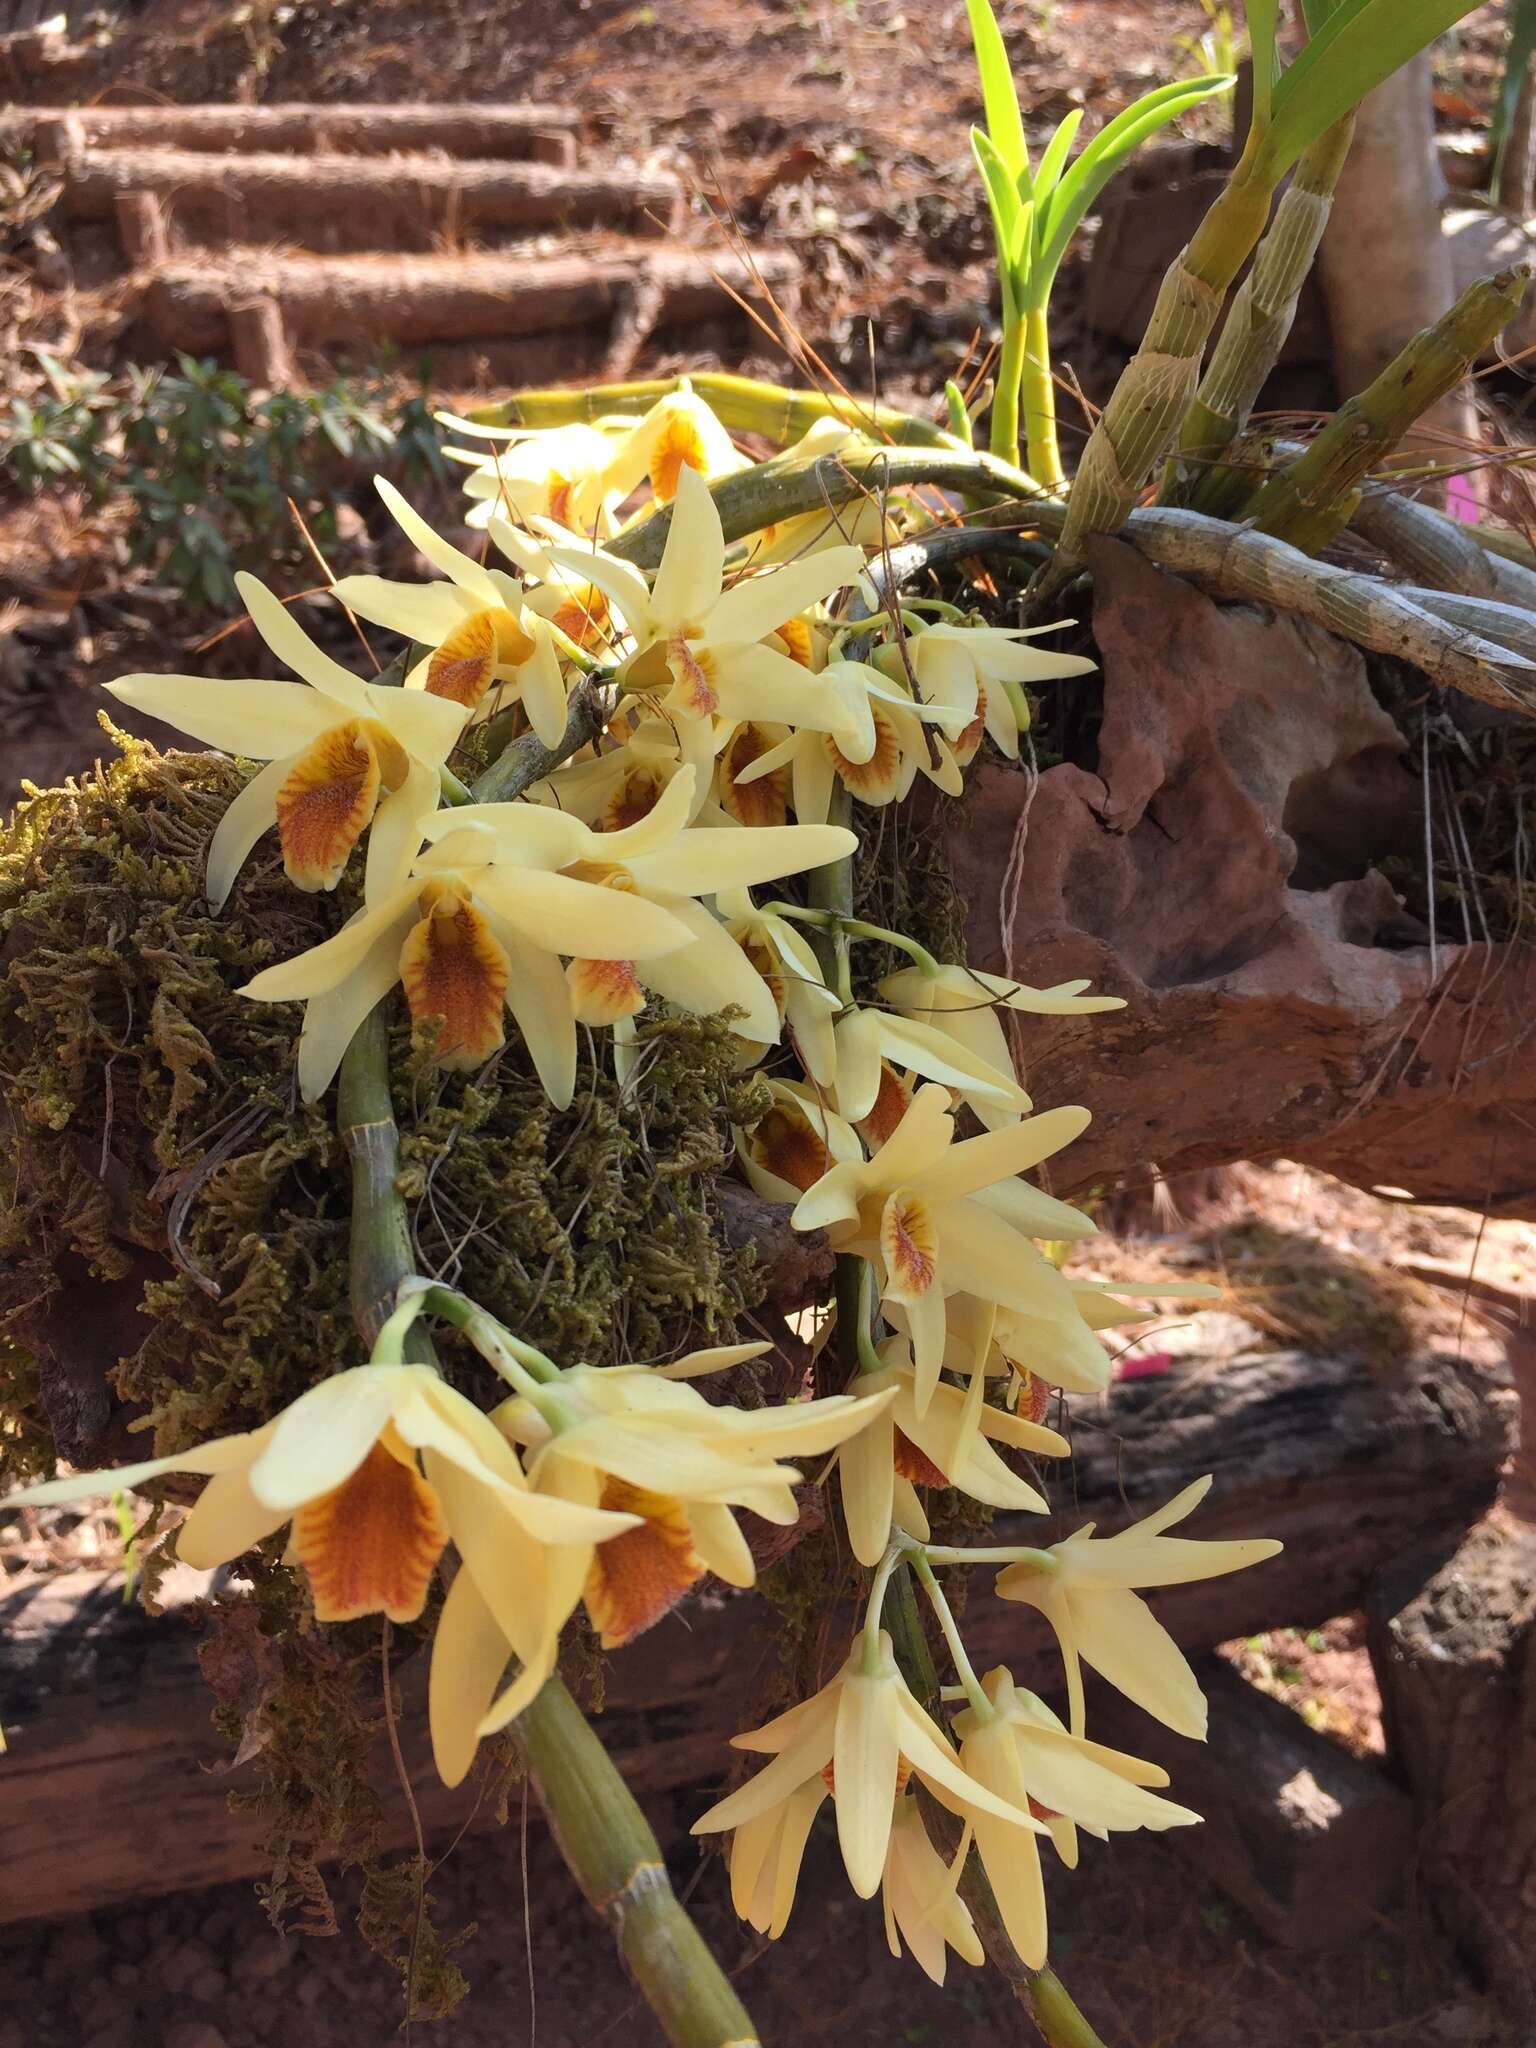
(1454, 1646)
(1313, 1843)
(1210, 852)
(451, 298)
(107, 1718)
(472, 131)
(335, 202)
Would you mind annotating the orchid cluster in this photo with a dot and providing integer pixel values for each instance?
(699, 739)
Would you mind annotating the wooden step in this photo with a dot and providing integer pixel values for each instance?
(111, 1786)
(417, 299)
(545, 133)
(332, 201)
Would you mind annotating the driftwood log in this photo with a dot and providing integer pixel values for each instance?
(545, 133)
(1211, 853)
(1454, 1646)
(337, 202)
(107, 1720)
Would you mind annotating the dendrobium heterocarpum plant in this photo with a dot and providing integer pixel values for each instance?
(710, 741)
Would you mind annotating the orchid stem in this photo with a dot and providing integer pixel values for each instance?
(965, 1671)
(521, 1365)
(1042, 1560)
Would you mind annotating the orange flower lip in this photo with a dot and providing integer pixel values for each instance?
(679, 446)
(785, 1145)
(326, 802)
(453, 969)
(634, 799)
(875, 780)
(466, 662)
(891, 1104)
(639, 1576)
(693, 672)
(910, 1246)
(603, 991)
(763, 802)
(371, 1545)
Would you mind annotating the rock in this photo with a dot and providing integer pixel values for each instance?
(1214, 866)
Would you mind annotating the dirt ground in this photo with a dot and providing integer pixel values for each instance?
(839, 126)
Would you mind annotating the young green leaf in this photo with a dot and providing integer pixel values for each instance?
(1053, 162)
(1102, 157)
(1362, 43)
(1008, 211)
(1005, 124)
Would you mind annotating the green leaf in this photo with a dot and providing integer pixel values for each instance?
(1315, 13)
(1005, 124)
(1263, 16)
(1008, 213)
(1101, 158)
(1362, 43)
(1054, 160)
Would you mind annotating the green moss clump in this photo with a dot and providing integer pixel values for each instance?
(153, 1128)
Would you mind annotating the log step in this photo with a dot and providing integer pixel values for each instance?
(106, 1717)
(448, 298)
(545, 133)
(332, 201)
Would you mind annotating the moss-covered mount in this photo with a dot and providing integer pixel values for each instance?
(173, 1225)
(151, 1121)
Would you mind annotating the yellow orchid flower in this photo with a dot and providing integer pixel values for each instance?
(971, 671)
(765, 1856)
(785, 959)
(558, 473)
(377, 1469)
(938, 1218)
(621, 784)
(1021, 1752)
(919, 1896)
(702, 643)
(964, 1004)
(679, 432)
(946, 1444)
(878, 747)
(868, 1727)
(789, 1149)
(679, 1463)
(664, 863)
(344, 755)
(871, 1044)
(478, 926)
(477, 624)
(571, 605)
(1086, 1592)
